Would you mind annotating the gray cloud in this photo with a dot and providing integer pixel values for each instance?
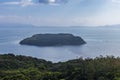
(53, 1)
(33, 2)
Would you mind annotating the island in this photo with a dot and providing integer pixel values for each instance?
(61, 39)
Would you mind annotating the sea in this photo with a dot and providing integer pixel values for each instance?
(103, 41)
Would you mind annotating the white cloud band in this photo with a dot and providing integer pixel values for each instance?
(33, 2)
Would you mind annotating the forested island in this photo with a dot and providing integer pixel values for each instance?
(61, 39)
(19, 67)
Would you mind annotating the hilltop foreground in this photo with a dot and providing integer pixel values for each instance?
(19, 67)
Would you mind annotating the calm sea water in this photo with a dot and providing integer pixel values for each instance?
(100, 41)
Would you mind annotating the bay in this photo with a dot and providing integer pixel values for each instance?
(100, 41)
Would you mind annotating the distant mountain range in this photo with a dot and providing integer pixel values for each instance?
(18, 25)
(114, 26)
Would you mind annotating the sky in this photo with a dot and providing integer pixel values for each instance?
(60, 12)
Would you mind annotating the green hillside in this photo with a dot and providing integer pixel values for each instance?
(19, 67)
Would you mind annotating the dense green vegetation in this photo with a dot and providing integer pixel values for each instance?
(18, 67)
(53, 40)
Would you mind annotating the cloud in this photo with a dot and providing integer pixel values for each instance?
(116, 1)
(33, 2)
(40, 21)
(11, 3)
(52, 1)
(22, 2)
(49, 2)
(26, 2)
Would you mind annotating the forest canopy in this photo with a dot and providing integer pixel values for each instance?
(19, 67)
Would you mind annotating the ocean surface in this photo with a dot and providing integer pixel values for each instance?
(100, 41)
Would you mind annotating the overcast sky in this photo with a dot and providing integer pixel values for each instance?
(60, 12)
